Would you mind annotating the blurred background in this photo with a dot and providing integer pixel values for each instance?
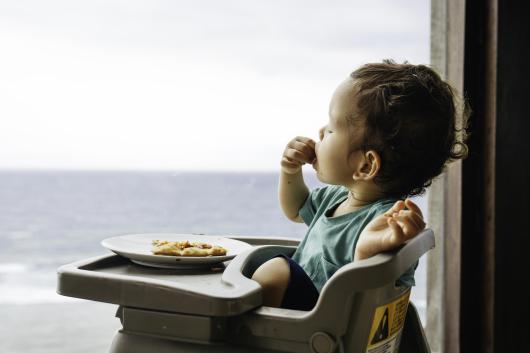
(161, 116)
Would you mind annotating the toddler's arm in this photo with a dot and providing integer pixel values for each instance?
(389, 230)
(292, 190)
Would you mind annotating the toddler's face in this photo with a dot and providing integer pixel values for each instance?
(334, 163)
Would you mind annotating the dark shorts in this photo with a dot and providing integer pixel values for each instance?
(301, 293)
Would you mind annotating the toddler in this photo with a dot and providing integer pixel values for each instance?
(391, 130)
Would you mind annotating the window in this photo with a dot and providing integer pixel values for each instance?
(112, 110)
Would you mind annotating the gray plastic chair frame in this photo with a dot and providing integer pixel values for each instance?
(342, 317)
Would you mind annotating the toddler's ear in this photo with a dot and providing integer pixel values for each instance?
(367, 166)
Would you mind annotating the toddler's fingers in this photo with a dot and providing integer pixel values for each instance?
(311, 143)
(418, 219)
(290, 167)
(397, 237)
(297, 156)
(289, 164)
(409, 228)
(398, 206)
(292, 161)
(306, 140)
(414, 217)
(413, 207)
(302, 147)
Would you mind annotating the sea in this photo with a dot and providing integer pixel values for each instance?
(52, 218)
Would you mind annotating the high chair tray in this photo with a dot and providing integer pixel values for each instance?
(200, 291)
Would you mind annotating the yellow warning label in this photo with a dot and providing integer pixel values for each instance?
(387, 324)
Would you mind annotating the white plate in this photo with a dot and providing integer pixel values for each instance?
(137, 247)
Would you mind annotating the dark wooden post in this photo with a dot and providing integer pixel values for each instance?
(496, 179)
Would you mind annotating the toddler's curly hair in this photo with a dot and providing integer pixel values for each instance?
(409, 114)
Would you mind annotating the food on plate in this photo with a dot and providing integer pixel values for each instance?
(186, 248)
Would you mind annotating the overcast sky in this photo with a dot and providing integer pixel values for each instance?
(183, 85)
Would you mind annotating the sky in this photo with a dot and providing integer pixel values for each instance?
(203, 85)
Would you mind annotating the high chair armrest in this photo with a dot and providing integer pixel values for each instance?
(384, 268)
(375, 272)
(243, 265)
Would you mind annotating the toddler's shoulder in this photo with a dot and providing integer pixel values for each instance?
(382, 205)
(336, 190)
(329, 192)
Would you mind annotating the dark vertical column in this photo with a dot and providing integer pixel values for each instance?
(496, 179)
(512, 187)
(477, 270)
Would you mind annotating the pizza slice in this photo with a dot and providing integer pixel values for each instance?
(186, 248)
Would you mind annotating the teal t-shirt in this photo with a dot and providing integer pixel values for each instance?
(330, 241)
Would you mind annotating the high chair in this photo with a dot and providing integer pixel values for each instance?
(219, 309)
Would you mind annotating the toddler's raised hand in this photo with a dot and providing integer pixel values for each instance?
(299, 151)
(400, 223)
